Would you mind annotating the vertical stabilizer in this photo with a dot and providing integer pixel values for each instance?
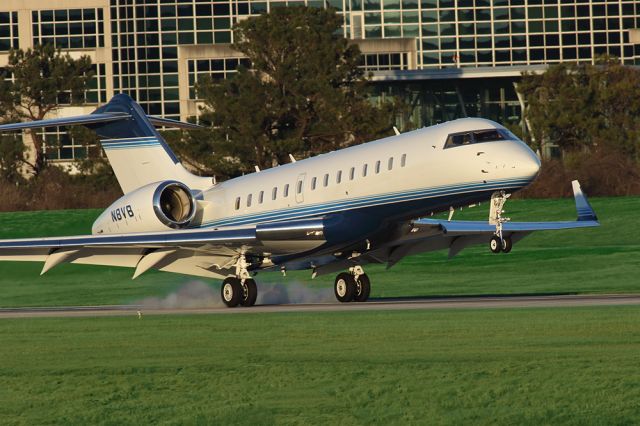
(136, 151)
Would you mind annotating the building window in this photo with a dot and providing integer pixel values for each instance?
(60, 145)
(8, 31)
(215, 69)
(274, 193)
(69, 28)
(403, 160)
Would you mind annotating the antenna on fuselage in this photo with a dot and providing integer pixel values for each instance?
(292, 158)
(396, 131)
(257, 169)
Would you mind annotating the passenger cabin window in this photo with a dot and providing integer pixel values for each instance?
(274, 193)
(339, 176)
(326, 180)
(403, 160)
(313, 183)
(261, 197)
(390, 164)
(364, 170)
(476, 136)
(238, 203)
(352, 173)
(249, 200)
(286, 191)
(377, 166)
(299, 188)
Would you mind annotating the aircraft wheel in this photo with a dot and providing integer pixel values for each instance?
(249, 293)
(495, 244)
(363, 288)
(231, 292)
(507, 244)
(344, 287)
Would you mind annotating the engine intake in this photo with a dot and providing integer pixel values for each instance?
(174, 204)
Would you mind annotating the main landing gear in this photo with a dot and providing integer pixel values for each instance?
(241, 289)
(499, 242)
(236, 292)
(352, 286)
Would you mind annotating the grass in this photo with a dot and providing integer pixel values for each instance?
(528, 366)
(601, 260)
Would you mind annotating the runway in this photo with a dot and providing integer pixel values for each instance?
(395, 304)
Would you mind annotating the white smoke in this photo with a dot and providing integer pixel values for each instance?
(198, 294)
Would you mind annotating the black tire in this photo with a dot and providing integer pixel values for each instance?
(363, 288)
(344, 287)
(507, 244)
(249, 293)
(231, 292)
(495, 245)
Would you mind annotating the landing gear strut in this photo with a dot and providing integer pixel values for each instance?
(352, 286)
(241, 289)
(499, 242)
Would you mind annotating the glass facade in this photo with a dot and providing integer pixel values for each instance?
(216, 69)
(69, 28)
(157, 50)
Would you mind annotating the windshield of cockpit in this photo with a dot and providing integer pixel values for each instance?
(478, 136)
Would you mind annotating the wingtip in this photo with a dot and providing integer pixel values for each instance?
(583, 207)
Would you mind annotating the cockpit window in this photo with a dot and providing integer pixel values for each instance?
(476, 136)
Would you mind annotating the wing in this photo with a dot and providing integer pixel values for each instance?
(458, 234)
(207, 253)
(424, 235)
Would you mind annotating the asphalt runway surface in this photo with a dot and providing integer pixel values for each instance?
(395, 304)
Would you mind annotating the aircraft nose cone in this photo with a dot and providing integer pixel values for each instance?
(531, 165)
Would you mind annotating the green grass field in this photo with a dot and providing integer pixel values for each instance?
(599, 260)
(528, 366)
(500, 366)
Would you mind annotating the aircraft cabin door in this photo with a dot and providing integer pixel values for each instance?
(300, 188)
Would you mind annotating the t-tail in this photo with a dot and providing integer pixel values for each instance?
(136, 151)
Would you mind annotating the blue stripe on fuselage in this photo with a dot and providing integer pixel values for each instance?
(365, 202)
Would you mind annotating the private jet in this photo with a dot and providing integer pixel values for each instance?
(332, 213)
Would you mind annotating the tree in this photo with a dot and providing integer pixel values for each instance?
(304, 94)
(585, 107)
(35, 82)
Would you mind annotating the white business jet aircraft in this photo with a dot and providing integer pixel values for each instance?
(334, 212)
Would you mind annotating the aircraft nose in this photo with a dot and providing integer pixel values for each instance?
(529, 164)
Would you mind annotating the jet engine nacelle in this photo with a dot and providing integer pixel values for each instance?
(155, 207)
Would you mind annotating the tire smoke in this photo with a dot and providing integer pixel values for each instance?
(198, 294)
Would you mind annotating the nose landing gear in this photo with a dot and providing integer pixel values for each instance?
(352, 286)
(499, 242)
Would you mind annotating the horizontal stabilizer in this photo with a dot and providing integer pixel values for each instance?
(67, 121)
(167, 122)
(89, 119)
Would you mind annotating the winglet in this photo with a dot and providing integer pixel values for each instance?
(584, 209)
